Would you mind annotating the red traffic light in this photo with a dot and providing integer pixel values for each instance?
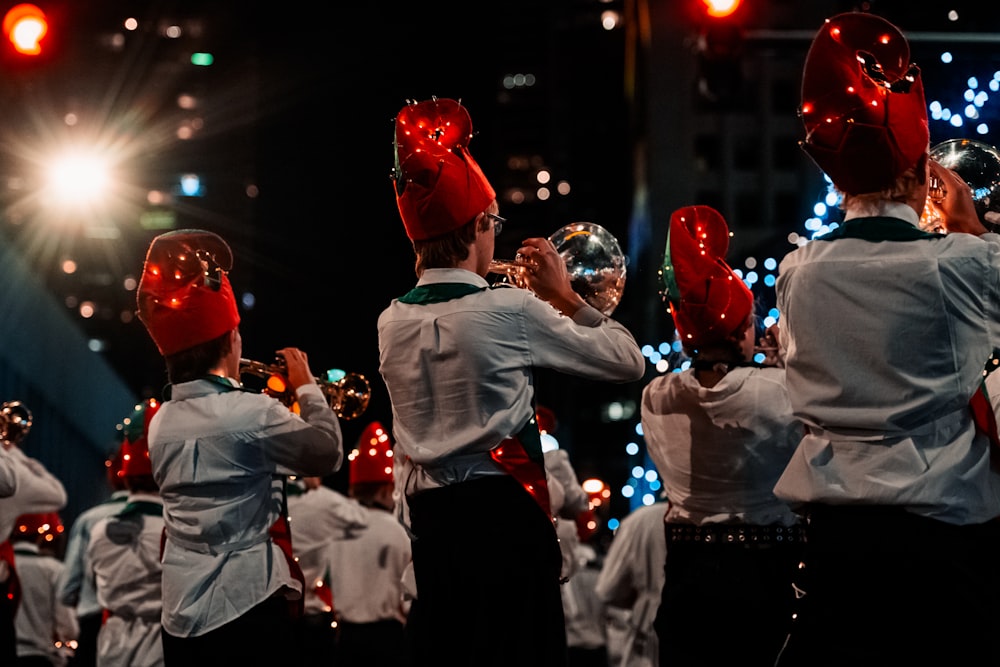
(24, 26)
(720, 9)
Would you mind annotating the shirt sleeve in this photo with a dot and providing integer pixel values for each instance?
(589, 346)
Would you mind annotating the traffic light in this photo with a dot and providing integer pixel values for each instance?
(720, 52)
(24, 27)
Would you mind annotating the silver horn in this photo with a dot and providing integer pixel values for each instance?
(593, 258)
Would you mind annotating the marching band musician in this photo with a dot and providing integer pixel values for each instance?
(887, 329)
(367, 566)
(220, 456)
(720, 434)
(36, 491)
(456, 357)
(122, 558)
(76, 589)
(317, 514)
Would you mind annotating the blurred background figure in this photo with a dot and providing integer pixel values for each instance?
(122, 558)
(630, 584)
(584, 616)
(317, 514)
(567, 497)
(367, 566)
(76, 589)
(37, 491)
(45, 627)
(586, 619)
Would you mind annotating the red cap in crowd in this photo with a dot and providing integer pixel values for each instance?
(371, 461)
(135, 448)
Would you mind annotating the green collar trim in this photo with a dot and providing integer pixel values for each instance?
(438, 293)
(877, 229)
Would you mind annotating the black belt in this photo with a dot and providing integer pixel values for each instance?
(737, 534)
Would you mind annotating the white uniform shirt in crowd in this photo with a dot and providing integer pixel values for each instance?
(745, 434)
(316, 517)
(568, 499)
(123, 558)
(586, 625)
(885, 345)
(458, 371)
(38, 491)
(76, 585)
(44, 626)
(366, 570)
(631, 578)
(220, 458)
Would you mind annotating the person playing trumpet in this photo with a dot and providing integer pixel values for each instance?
(720, 433)
(887, 329)
(231, 587)
(457, 358)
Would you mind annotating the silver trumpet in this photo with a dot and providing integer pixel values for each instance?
(348, 396)
(593, 257)
(978, 164)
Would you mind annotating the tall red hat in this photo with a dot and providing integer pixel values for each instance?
(439, 186)
(371, 461)
(135, 448)
(707, 300)
(862, 103)
(184, 296)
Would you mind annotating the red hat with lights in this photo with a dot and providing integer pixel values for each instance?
(371, 461)
(32, 526)
(135, 447)
(862, 103)
(184, 296)
(706, 298)
(439, 186)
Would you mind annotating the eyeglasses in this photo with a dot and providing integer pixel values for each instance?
(497, 223)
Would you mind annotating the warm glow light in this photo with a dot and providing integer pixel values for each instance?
(721, 8)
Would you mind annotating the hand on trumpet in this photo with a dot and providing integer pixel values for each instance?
(951, 198)
(296, 367)
(547, 276)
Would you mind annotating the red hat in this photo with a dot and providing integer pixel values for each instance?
(371, 461)
(707, 300)
(32, 526)
(862, 103)
(135, 448)
(184, 296)
(439, 186)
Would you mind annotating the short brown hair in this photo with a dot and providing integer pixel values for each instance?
(447, 250)
(195, 362)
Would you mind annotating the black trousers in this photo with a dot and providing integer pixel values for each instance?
(262, 636)
(726, 603)
(884, 586)
(487, 563)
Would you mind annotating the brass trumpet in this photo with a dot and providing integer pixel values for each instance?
(348, 396)
(595, 262)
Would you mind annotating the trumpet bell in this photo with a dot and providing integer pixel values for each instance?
(349, 395)
(593, 258)
(978, 164)
(595, 262)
